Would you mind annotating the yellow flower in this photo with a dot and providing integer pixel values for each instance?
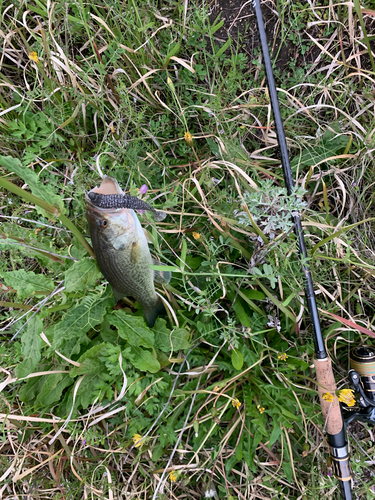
(136, 440)
(283, 356)
(189, 138)
(236, 403)
(173, 476)
(347, 396)
(197, 236)
(34, 57)
(327, 396)
(260, 409)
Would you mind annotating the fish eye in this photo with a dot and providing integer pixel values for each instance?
(104, 223)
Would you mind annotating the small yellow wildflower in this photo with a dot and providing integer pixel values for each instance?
(261, 409)
(173, 476)
(136, 440)
(197, 236)
(283, 356)
(347, 396)
(327, 396)
(34, 57)
(189, 138)
(112, 129)
(236, 403)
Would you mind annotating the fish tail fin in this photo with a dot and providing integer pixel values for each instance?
(152, 313)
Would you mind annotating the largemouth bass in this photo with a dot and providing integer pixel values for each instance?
(121, 249)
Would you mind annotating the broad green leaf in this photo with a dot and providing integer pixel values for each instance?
(81, 275)
(251, 303)
(86, 391)
(69, 333)
(90, 366)
(157, 452)
(91, 355)
(38, 189)
(52, 389)
(132, 328)
(241, 314)
(239, 448)
(168, 341)
(31, 345)
(275, 434)
(31, 388)
(27, 282)
(237, 359)
(290, 415)
(143, 360)
(253, 294)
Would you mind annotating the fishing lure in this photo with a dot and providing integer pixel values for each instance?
(113, 201)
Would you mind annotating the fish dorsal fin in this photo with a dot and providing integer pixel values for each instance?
(161, 276)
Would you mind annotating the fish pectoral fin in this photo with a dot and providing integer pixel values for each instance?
(148, 236)
(161, 276)
(117, 295)
(136, 252)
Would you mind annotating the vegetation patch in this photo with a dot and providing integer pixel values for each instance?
(218, 399)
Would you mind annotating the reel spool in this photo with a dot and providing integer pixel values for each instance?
(362, 360)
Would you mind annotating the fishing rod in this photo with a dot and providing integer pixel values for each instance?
(362, 359)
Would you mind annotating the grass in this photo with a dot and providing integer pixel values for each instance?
(219, 400)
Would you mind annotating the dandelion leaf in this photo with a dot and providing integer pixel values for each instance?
(81, 275)
(31, 345)
(133, 329)
(27, 282)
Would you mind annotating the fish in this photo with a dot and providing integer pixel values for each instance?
(121, 248)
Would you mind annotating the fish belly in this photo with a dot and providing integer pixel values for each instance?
(129, 278)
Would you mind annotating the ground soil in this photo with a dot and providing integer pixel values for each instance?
(240, 24)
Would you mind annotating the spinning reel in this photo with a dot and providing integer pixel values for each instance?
(362, 380)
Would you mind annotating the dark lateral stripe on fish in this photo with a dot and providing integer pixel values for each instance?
(109, 201)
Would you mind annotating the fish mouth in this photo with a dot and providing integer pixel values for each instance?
(109, 185)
